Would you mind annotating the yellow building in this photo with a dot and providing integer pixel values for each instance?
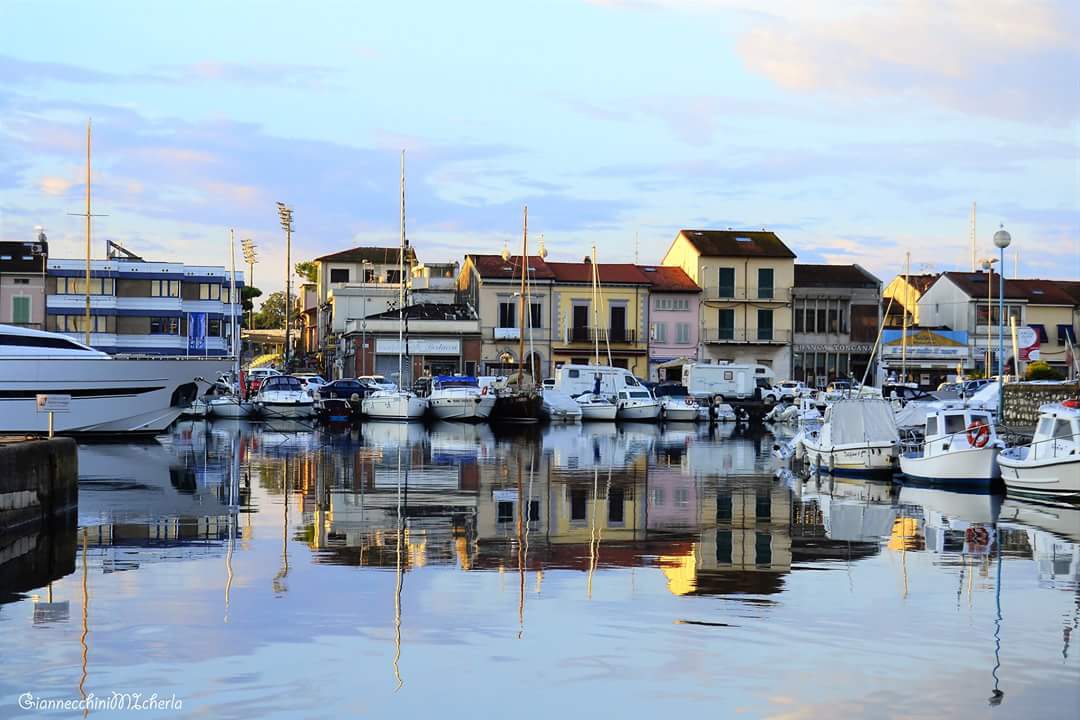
(615, 320)
(904, 292)
(746, 279)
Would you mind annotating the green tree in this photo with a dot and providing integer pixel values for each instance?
(1040, 370)
(247, 297)
(307, 270)
(271, 313)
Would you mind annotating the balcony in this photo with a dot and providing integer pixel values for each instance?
(614, 336)
(726, 293)
(746, 336)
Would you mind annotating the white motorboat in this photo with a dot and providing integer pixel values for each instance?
(596, 407)
(559, 407)
(1050, 465)
(858, 438)
(676, 403)
(636, 405)
(960, 447)
(121, 394)
(229, 406)
(394, 405)
(283, 396)
(459, 397)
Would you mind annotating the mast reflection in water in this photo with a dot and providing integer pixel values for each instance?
(657, 569)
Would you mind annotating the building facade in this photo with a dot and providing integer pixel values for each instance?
(746, 278)
(22, 282)
(139, 306)
(902, 295)
(836, 315)
(673, 317)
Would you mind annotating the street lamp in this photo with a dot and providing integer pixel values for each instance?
(285, 214)
(1002, 238)
(988, 266)
(250, 257)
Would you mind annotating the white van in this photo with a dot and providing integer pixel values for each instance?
(729, 381)
(574, 380)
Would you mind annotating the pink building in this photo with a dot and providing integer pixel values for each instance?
(673, 316)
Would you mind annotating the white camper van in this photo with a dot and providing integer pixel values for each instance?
(577, 379)
(728, 381)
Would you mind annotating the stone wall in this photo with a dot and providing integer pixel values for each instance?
(1023, 400)
(38, 480)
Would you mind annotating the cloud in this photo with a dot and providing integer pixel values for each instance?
(55, 185)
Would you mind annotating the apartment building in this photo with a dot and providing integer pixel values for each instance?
(746, 279)
(673, 317)
(22, 282)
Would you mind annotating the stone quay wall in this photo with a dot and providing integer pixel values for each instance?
(1023, 400)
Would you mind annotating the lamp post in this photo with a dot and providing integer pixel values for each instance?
(285, 214)
(248, 247)
(988, 266)
(1002, 238)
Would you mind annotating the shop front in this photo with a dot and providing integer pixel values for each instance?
(929, 357)
(817, 365)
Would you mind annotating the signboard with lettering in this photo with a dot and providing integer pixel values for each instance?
(925, 344)
(506, 333)
(53, 403)
(1027, 340)
(836, 348)
(419, 346)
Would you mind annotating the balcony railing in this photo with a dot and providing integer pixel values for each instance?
(615, 336)
(742, 294)
(753, 336)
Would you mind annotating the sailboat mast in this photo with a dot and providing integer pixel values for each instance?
(524, 272)
(232, 302)
(903, 342)
(87, 288)
(595, 309)
(401, 279)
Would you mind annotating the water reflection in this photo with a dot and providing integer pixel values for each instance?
(634, 541)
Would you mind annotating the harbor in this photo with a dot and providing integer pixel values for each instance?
(234, 564)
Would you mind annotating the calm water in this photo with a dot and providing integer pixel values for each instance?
(255, 572)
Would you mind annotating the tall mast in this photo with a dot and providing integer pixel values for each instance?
(595, 308)
(524, 272)
(908, 293)
(87, 288)
(232, 300)
(401, 279)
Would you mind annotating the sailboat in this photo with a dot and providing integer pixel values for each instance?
(231, 405)
(520, 402)
(399, 403)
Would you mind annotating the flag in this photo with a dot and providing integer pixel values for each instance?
(196, 332)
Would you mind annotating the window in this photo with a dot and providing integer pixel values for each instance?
(723, 547)
(369, 275)
(834, 321)
(339, 275)
(765, 283)
(1011, 311)
(682, 333)
(843, 318)
(505, 511)
(798, 315)
(617, 322)
(507, 316)
(20, 310)
(864, 323)
(213, 328)
(22, 281)
(682, 497)
(534, 511)
(931, 426)
(658, 497)
(764, 324)
(77, 323)
(615, 505)
(954, 424)
(209, 291)
(164, 326)
(535, 317)
(659, 332)
(723, 507)
(393, 277)
(726, 324)
(577, 505)
(77, 286)
(725, 282)
(580, 319)
(762, 549)
(763, 505)
(164, 288)
(822, 323)
(1066, 332)
(1062, 431)
(670, 303)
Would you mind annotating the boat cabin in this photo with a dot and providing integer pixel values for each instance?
(442, 382)
(281, 383)
(1058, 433)
(957, 428)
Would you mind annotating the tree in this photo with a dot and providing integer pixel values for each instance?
(307, 270)
(247, 297)
(1040, 370)
(272, 311)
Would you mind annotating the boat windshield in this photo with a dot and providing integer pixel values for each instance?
(671, 391)
(282, 383)
(449, 381)
(640, 394)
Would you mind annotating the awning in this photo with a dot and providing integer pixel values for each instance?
(1041, 330)
(674, 363)
(1066, 331)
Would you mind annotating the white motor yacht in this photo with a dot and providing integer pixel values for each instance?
(596, 407)
(109, 394)
(283, 396)
(459, 397)
(858, 437)
(1050, 465)
(636, 405)
(676, 403)
(960, 447)
(229, 406)
(394, 405)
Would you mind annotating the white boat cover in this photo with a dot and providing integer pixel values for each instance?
(858, 422)
(556, 402)
(987, 397)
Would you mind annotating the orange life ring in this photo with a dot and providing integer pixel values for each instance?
(484, 390)
(1071, 403)
(978, 434)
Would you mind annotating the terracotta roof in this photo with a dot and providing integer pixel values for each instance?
(379, 255)
(740, 243)
(494, 267)
(664, 278)
(833, 276)
(429, 311)
(1035, 291)
(1073, 288)
(581, 272)
(923, 282)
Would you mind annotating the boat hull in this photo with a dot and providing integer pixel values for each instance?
(230, 408)
(517, 407)
(645, 412)
(680, 413)
(395, 407)
(969, 466)
(466, 409)
(270, 410)
(1052, 477)
(108, 395)
(865, 461)
(598, 412)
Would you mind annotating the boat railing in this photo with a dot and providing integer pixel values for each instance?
(1055, 444)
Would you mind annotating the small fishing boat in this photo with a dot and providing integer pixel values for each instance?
(1050, 465)
(559, 407)
(636, 405)
(460, 397)
(341, 400)
(858, 438)
(960, 447)
(676, 403)
(283, 396)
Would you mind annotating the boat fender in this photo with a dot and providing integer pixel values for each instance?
(978, 434)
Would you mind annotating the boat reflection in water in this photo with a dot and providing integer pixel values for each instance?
(400, 548)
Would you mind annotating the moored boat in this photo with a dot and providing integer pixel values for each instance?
(283, 396)
(858, 437)
(595, 407)
(1050, 464)
(960, 447)
(460, 397)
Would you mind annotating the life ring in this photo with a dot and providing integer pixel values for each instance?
(977, 536)
(484, 390)
(978, 434)
(1071, 403)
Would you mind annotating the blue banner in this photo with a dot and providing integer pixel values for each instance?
(196, 332)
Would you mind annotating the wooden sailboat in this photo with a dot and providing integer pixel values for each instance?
(520, 402)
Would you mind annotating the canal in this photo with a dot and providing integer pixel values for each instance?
(255, 571)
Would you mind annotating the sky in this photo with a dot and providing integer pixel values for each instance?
(857, 131)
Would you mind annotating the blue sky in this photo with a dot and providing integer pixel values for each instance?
(857, 131)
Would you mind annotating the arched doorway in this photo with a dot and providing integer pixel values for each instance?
(535, 366)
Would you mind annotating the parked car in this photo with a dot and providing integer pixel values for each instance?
(310, 381)
(548, 384)
(790, 389)
(256, 376)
